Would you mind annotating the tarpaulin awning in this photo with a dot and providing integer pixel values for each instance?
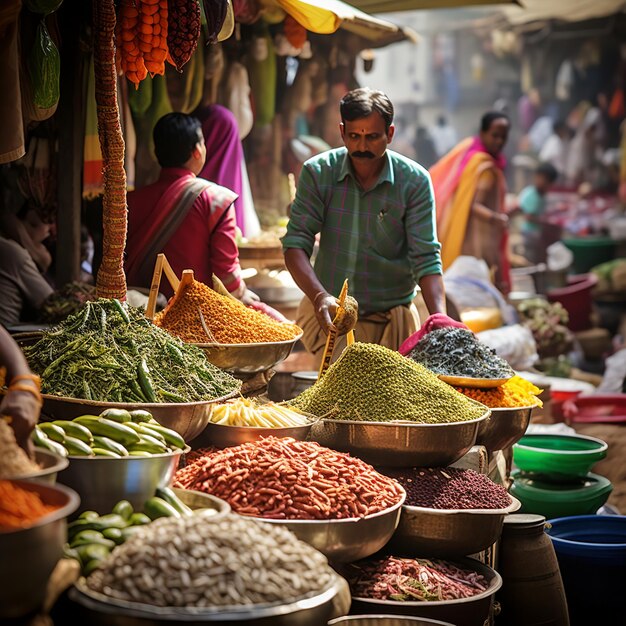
(327, 16)
(567, 10)
(390, 6)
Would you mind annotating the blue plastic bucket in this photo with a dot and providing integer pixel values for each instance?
(591, 550)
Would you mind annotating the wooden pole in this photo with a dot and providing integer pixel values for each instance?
(111, 280)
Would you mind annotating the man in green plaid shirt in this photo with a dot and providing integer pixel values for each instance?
(374, 210)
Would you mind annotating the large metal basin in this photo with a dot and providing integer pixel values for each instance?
(448, 533)
(29, 555)
(103, 481)
(504, 427)
(188, 419)
(247, 358)
(346, 540)
(197, 500)
(472, 611)
(385, 620)
(50, 464)
(390, 444)
(98, 610)
(222, 436)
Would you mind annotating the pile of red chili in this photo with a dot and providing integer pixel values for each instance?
(450, 488)
(19, 507)
(413, 580)
(281, 478)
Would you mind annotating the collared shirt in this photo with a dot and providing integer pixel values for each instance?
(196, 244)
(382, 240)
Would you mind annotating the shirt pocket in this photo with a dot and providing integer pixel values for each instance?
(388, 235)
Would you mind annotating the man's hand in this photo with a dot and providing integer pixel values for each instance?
(23, 409)
(325, 307)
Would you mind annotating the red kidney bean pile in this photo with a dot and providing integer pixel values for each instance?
(450, 488)
(413, 580)
(281, 478)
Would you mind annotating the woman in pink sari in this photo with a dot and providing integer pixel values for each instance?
(470, 190)
(225, 163)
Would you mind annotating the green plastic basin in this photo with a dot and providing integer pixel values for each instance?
(550, 499)
(563, 456)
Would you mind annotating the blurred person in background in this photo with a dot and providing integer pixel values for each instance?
(470, 190)
(443, 135)
(425, 153)
(583, 150)
(532, 204)
(556, 147)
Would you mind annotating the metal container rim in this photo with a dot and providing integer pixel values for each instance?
(502, 409)
(602, 447)
(407, 423)
(192, 614)
(514, 506)
(248, 345)
(346, 520)
(143, 405)
(61, 463)
(256, 429)
(161, 455)
(348, 619)
(73, 500)
(494, 585)
(468, 381)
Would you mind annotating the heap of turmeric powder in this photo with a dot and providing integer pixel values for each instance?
(228, 320)
(515, 392)
(20, 507)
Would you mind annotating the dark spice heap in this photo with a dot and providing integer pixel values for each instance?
(450, 488)
(109, 351)
(412, 580)
(457, 352)
(374, 384)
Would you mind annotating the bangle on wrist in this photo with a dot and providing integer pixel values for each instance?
(317, 295)
(28, 389)
(29, 377)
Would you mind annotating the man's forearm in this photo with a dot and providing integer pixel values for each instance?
(299, 267)
(434, 293)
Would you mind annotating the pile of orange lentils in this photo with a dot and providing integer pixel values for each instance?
(228, 320)
(20, 507)
(515, 392)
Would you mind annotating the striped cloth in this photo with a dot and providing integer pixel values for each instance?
(382, 240)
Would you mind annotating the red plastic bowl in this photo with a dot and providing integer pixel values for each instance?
(596, 409)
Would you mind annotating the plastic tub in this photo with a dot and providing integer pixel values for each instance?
(591, 550)
(562, 456)
(576, 300)
(552, 499)
(607, 408)
(590, 251)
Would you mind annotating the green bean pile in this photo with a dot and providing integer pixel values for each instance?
(109, 351)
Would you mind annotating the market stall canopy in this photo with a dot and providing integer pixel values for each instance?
(568, 10)
(327, 16)
(389, 6)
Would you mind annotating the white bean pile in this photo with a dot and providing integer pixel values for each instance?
(198, 561)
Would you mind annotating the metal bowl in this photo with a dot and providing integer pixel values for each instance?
(99, 610)
(448, 532)
(49, 463)
(103, 481)
(223, 436)
(472, 611)
(188, 419)
(385, 620)
(476, 383)
(346, 540)
(247, 358)
(199, 501)
(30, 554)
(504, 427)
(390, 444)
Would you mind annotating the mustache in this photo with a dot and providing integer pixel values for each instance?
(364, 155)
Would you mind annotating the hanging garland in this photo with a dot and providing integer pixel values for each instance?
(111, 280)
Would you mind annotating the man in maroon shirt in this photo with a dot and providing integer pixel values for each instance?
(189, 219)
